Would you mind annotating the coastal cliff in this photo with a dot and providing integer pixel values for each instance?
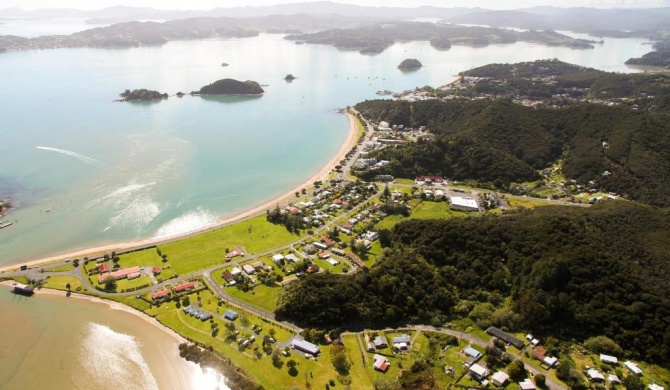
(230, 87)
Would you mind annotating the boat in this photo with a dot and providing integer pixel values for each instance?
(5, 223)
(22, 289)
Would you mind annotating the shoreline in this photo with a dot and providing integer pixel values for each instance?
(112, 305)
(323, 173)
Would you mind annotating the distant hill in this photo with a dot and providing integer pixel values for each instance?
(230, 87)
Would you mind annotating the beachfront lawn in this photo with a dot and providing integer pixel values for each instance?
(125, 284)
(261, 296)
(144, 258)
(208, 249)
(64, 267)
(58, 282)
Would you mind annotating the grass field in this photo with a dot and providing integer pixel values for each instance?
(207, 249)
(58, 282)
(125, 284)
(64, 267)
(422, 210)
(262, 296)
(529, 203)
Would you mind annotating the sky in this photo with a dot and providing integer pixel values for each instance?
(209, 4)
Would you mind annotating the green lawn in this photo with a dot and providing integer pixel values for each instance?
(143, 258)
(207, 249)
(58, 282)
(529, 203)
(64, 267)
(261, 296)
(125, 284)
(422, 210)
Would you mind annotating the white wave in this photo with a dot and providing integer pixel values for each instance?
(186, 223)
(108, 357)
(78, 156)
(137, 212)
(128, 189)
(207, 379)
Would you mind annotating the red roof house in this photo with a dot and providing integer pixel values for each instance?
(184, 286)
(160, 294)
(157, 270)
(327, 241)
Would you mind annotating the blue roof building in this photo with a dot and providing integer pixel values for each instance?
(305, 346)
(469, 351)
(230, 315)
(401, 339)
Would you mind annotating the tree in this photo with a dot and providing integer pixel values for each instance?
(292, 370)
(633, 382)
(67, 286)
(602, 344)
(339, 360)
(540, 380)
(272, 332)
(110, 283)
(276, 358)
(516, 370)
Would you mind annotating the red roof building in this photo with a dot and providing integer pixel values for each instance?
(227, 276)
(103, 267)
(184, 286)
(160, 294)
(327, 241)
(347, 225)
(356, 259)
(324, 255)
(157, 270)
(539, 353)
(337, 201)
(120, 274)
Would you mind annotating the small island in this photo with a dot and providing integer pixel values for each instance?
(289, 77)
(410, 64)
(4, 207)
(440, 43)
(137, 95)
(230, 87)
(224, 64)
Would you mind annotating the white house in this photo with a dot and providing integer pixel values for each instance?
(371, 235)
(527, 385)
(550, 361)
(278, 258)
(478, 372)
(463, 204)
(609, 359)
(595, 375)
(613, 379)
(632, 367)
(500, 378)
(249, 269)
(235, 271)
(380, 363)
(654, 386)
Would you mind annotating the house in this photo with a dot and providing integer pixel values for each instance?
(321, 245)
(654, 386)
(595, 375)
(506, 337)
(469, 351)
(104, 267)
(356, 260)
(305, 346)
(236, 271)
(184, 287)
(228, 277)
(292, 258)
(370, 346)
(529, 337)
(534, 342)
(439, 194)
(258, 265)
(527, 385)
(613, 379)
(134, 275)
(327, 241)
(120, 274)
(539, 353)
(230, 315)
(372, 236)
(550, 361)
(463, 204)
(239, 251)
(380, 363)
(478, 372)
(278, 259)
(500, 378)
(609, 359)
(324, 255)
(160, 294)
(249, 269)
(632, 367)
(380, 342)
(332, 262)
(347, 225)
(338, 251)
(344, 230)
(156, 270)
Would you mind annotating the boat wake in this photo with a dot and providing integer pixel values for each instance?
(78, 156)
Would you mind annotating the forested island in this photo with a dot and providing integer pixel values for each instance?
(4, 207)
(230, 87)
(659, 57)
(141, 95)
(410, 64)
(377, 37)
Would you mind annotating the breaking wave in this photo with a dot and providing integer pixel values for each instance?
(78, 156)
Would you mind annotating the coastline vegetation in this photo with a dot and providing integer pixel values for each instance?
(138, 95)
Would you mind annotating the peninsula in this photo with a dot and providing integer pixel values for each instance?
(231, 87)
(141, 95)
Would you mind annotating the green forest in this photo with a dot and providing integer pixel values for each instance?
(497, 142)
(568, 272)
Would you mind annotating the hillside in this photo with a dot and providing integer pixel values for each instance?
(567, 272)
(498, 142)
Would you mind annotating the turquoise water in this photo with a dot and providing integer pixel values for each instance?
(112, 172)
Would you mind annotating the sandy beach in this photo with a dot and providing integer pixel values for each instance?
(322, 174)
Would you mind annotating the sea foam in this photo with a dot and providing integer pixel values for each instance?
(108, 357)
